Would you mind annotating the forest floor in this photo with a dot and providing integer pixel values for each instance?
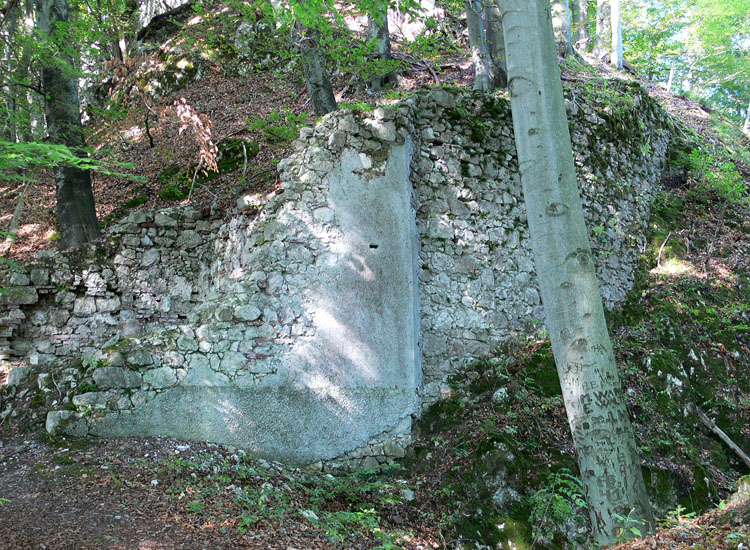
(158, 493)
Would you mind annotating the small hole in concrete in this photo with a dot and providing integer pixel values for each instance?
(373, 245)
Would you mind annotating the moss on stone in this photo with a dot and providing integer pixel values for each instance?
(442, 415)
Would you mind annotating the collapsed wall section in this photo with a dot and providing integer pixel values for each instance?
(310, 331)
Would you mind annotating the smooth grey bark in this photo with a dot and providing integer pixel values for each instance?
(76, 213)
(480, 55)
(606, 449)
(616, 57)
(495, 44)
(560, 10)
(746, 126)
(670, 80)
(314, 68)
(580, 23)
(603, 37)
(377, 30)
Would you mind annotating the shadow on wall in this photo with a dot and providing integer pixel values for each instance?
(340, 328)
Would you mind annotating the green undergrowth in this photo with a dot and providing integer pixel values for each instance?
(507, 461)
(681, 343)
(231, 155)
(248, 494)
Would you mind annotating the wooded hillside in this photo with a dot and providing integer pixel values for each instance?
(298, 232)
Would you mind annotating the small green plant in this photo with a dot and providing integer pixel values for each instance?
(90, 362)
(196, 507)
(630, 527)
(3, 501)
(358, 105)
(433, 43)
(675, 517)
(173, 192)
(718, 175)
(554, 504)
(279, 126)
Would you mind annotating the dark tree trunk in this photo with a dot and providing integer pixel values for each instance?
(560, 10)
(603, 38)
(480, 55)
(377, 29)
(580, 18)
(496, 44)
(75, 200)
(314, 67)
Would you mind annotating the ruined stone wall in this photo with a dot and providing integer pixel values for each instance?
(311, 327)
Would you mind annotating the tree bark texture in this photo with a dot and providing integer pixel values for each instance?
(480, 55)
(595, 403)
(560, 10)
(495, 44)
(580, 23)
(16, 97)
(377, 30)
(314, 67)
(616, 57)
(75, 201)
(603, 37)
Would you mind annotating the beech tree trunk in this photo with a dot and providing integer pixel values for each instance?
(480, 55)
(377, 29)
(314, 67)
(607, 456)
(75, 201)
(603, 37)
(746, 126)
(580, 19)
(670, 80)
(495, 44)
(616, 58)
(560, 10)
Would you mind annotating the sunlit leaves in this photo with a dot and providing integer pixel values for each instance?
(15, 158)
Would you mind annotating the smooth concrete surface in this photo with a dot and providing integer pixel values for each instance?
(293, 426)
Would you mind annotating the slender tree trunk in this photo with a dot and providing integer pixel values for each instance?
(670, 80)
(560, 10)
(132, 26)
(580, 18)
(746, 126)
(15, 220)
(616, 58)
(377, 30)
(75, 201)
(314, 67)
(603, 37)
(495, 44)
(480, 55)
(595, 403)
(9, 90)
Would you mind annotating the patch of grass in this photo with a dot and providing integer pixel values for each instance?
(358, 106)
(173, 192)
(136, 202)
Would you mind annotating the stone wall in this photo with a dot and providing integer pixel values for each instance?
(312, 326)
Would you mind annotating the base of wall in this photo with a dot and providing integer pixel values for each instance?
(294, 426)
